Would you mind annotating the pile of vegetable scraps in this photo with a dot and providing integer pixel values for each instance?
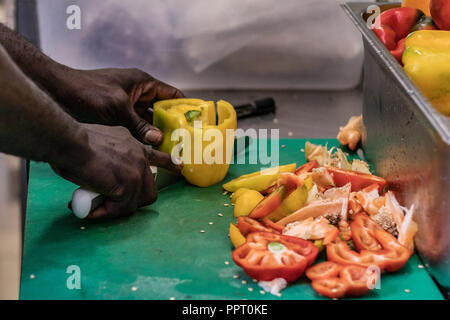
(287, 215)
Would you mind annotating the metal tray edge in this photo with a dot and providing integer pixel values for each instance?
(436, 120)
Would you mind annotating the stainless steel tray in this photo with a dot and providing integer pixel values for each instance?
(408, 142)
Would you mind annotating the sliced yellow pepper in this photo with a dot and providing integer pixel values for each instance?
(236, 237)
(292, 202)
(427, 62)
(208, 159)
(259, 180)
(239, 192)
(246, 202)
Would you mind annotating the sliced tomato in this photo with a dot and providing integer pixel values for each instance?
(307, 167)
(330, 287)
(248, 225)
(359, 180)
(359, 279)
(363, 232)
(270, 224)
(267, 256)
(327, 269)
(269, 203)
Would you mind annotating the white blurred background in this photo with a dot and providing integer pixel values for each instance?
(203, 44)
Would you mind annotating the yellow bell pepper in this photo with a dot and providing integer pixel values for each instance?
(260, 180)
(236, 237)
(246, 202)
(293, 202)
(187, 125)
(239, 192)
(427, 62)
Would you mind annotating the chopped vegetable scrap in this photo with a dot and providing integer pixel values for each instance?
(330, 204)
(352, 133)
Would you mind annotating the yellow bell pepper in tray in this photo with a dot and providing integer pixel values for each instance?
(205, 142)
(427, 62)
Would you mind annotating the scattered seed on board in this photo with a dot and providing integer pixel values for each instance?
(283, 146)
(134, 288)
(202, 231)
(290, 134)
(250, 289)
(302, 150)
(172, 298)
(262, 292)
(227, 263)
(32, 276)
(407, 290)
(278, 294)
(211, 223)
(220, 215)
(235, 276)
(82, 228)
(225, 193)
(244, 282)
(420, 266)
(226, 205)
(254, 280)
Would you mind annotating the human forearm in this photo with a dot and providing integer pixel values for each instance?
(31, 123)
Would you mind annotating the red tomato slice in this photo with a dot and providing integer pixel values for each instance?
(269, 203)
(307, 167)
(330, 287)
(267, 256)
(248, 225)
(358, 180)
(359, 279)
(327, 269)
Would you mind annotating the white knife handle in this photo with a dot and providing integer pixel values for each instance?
(85, 201)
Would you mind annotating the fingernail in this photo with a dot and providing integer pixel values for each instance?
(154, 137)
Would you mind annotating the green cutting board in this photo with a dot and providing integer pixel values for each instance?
(160, 252)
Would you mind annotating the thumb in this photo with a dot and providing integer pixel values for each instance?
(144, 131)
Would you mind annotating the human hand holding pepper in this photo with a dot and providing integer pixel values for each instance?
(114, 97)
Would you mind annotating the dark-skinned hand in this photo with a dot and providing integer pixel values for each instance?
(115, 97)
(118, 167)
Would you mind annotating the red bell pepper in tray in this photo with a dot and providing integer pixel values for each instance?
(345, 210)
(394, 25)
